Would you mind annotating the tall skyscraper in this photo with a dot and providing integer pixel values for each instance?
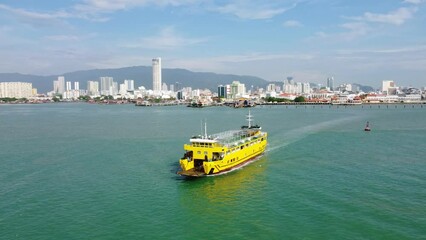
(68, 86)
(76, 85)
(106, 86)
(56, 86)
(61, 84)
(130, 85)
(330, 83)
(221, 91)
(156, 74)
(93, 88)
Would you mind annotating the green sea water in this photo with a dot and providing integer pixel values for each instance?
(81, 171)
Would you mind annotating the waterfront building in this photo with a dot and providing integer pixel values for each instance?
(270, 87)
(77, 86)
(346, 87)
(221, 91)
(93, 88)
(56, 87)
(130, 85)
(180, 95)
(164, 87)
(16, 90)
(330, 83)
(123, 89)
(61, 84)
(114, 88)
(306, 88)
(292, 87)
(277, 89)
(387, 85)
(68, 88)
(237, 89)
(106, 85)
(156, 75)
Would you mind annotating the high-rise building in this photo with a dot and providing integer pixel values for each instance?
(16, 89)
(178, 86)
(237, 89)
(270, 87)
(93, 88)
(61, 84)
(68, 86)
(306, 88)
(114, 88)
(387, 84)
(56, 86)
(156, 75)
(330, 83)
(77, 86)
(106, 86)
(164, 87)
(130, 85)
(221, 91)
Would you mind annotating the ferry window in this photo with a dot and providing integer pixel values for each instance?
(199, 152)
(262, 139)
(247, 145)
(242, 147)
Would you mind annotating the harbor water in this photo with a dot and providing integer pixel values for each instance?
(87, 171)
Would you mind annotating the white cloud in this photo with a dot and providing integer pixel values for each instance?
(105, 6)
(355, 29)
(35, 15)
(407, 49)
(397, 17)
(63, 38)
(167, 39)
(352, 30)
(70, 38)
(255, 9)
(37, 19)
(292, 23)
(413, 1)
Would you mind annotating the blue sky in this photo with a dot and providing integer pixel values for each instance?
(360, 41)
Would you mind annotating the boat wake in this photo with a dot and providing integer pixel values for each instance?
(300, 133)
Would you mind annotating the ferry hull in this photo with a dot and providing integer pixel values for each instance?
(245, 154)
(195, 173)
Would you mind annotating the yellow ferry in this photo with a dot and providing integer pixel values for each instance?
(221, 152)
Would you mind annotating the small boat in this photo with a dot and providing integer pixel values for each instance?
(367, 127)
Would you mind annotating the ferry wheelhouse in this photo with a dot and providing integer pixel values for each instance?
(221, 152)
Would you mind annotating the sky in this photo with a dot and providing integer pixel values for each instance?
(359, 41)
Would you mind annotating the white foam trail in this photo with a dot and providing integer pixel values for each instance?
(300, 133)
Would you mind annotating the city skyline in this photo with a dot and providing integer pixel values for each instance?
(310, 40)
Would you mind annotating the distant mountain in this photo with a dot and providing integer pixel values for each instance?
(142, 75)
(363, 88)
